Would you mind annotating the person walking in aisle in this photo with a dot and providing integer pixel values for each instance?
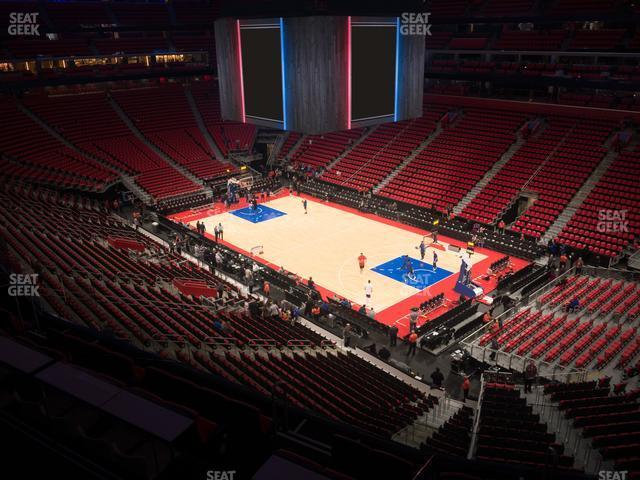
(346, 335)
(530, 374)
(466, 384)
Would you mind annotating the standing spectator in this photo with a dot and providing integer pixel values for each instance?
(311, 283)
(465, 388)
(249, 280)
(393, 335)
(501, 226)
(530, 374)
(274, 311)
(494, 347)
(579, 264)
(413, 319)
(346, 335)
(563, 262)
(437, 378)
(220, 231)
(413, 340)
(266, 288)
(295, 313)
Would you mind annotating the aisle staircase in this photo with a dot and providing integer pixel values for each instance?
(201, 125)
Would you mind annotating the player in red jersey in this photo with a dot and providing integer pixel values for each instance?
(361, 261)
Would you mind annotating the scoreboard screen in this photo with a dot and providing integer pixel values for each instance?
(373, 70)
(261, 53)
(318, 74)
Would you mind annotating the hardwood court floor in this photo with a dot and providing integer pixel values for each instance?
(325, 244)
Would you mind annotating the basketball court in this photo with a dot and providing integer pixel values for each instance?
(325, 244)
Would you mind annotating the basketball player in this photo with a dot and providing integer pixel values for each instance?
(435, 261)
(423, 249)
(304, 204)
(407, 265)
(368, 290)
(361, 261)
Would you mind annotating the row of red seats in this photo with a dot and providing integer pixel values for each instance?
(611, 421)
(288, 144)
(385, 148)
(442, 174)
(227, 135)
(609, 218)
(509, 431)
(40, 156)
(320, 150)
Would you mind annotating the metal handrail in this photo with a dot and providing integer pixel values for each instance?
(476, 421)
(299, 343)
(262, 342)
(220, 341)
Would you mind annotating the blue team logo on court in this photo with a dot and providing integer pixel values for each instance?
(420, 276)
(260, 214)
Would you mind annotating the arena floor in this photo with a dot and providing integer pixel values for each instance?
(326, 242)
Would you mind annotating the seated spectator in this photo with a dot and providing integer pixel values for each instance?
(573, 305)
